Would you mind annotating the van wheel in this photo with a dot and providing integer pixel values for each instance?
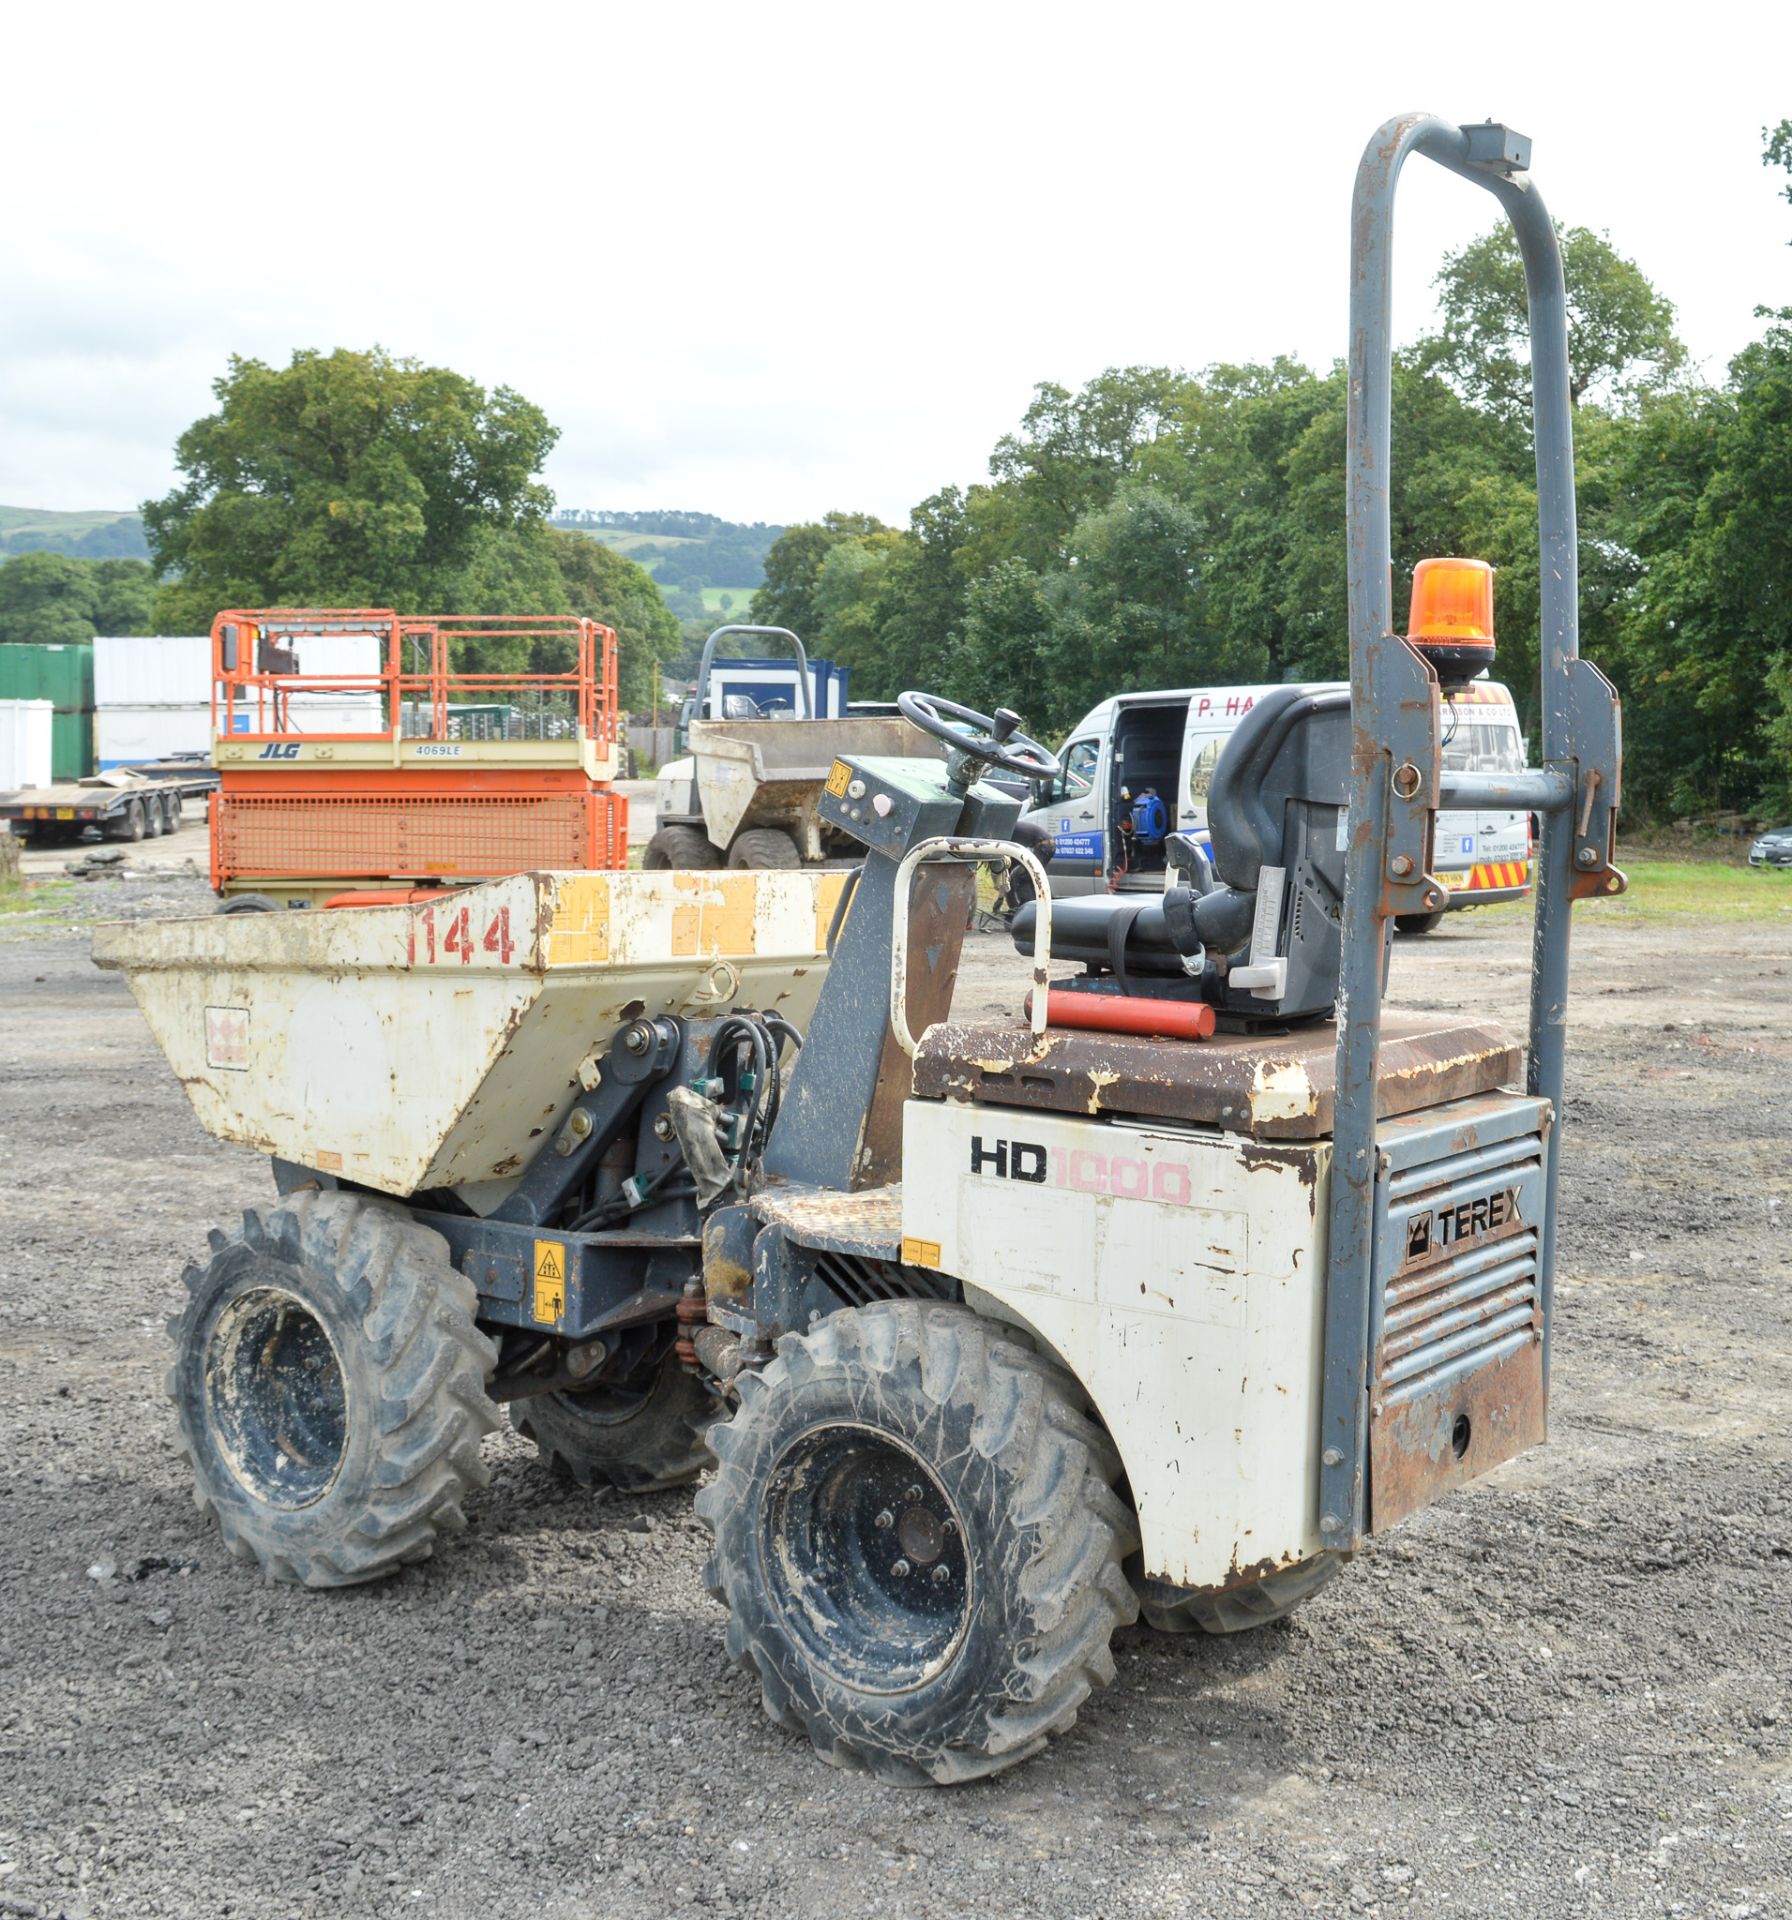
(1172, 1609)
(680, 850)
(765, 849)
(918, 1542)
(1417, 922)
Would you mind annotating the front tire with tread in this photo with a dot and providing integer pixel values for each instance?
(386, 1324)
(1000, 1437)
(679, 849)
(765, 850)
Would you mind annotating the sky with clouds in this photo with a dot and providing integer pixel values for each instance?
(769, 260)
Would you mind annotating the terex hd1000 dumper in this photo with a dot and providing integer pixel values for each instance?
(1160, 1297)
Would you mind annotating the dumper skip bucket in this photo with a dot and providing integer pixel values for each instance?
(437, 1044)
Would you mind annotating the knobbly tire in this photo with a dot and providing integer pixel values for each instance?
(1172, 1609)
(918, 1542)
(680, 850)
(765, 849)
(641, 1438)
(329, 1383)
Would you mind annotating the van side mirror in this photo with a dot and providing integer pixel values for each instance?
(227, 648)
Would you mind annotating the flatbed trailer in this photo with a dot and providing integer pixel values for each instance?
(123, 803)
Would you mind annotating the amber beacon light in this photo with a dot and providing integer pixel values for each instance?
(1452, 617)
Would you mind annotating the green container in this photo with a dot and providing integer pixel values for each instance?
(64, 677)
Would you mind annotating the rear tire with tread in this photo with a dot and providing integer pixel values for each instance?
(680, 850)
(1172, 1609)
(641, 1443)
(996, 1437)
(765, 850)
(329, 1385)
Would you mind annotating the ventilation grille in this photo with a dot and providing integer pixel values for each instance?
(1451, 1314)
(859, 1282)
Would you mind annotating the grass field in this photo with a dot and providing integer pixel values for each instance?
(40, 520)
(712, 600)
(1711, 888)
(634, 545)
(1668, 889)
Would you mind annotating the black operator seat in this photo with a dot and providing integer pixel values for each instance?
(1274, 888)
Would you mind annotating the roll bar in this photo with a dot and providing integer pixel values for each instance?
(1396, 781)
(700, 694)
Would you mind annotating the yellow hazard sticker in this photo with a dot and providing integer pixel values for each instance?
(838, 775)
(550, 1280)
(920, 1253)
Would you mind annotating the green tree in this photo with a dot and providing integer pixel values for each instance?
(1777, 152)
(599, 583)
(353, 479)
(53, 598)
(1620, 330)
(793, 566)
(1073, 450)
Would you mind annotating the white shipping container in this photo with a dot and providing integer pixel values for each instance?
(175, 669)
(124, 735)
(25, 743)
(152, 670)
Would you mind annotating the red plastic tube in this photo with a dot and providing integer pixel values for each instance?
(1127, 1013)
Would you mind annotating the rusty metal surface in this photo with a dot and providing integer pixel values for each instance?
(1278, 1088)
(1412, 1460)
(867, 1224)
(938, 915)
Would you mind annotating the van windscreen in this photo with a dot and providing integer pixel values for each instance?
(1482, 744)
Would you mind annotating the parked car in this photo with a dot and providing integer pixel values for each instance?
(1773, 849)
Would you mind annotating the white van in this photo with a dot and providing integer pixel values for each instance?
(1170, 742)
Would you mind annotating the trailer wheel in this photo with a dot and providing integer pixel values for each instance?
(918, 1542)
(329, 1384)
(680, 850)
(131, 824)
(155, 821)
(1417, 922)
(765, 849)
(643, 1436)
(1172, 1609)
(171, 811)
(248, 903)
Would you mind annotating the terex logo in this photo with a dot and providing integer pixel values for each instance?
(1426, 1233)
(1123, 1176)
(280, 751)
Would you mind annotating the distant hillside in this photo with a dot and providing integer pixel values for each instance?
(697, 558)
(90, 536)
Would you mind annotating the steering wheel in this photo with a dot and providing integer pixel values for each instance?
(995, 739)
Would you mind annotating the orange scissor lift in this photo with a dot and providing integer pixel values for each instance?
(424, 766)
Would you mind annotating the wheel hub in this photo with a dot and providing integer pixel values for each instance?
(275, 1398)
(866, 1556)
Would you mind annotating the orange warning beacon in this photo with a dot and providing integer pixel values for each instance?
(1451, 623)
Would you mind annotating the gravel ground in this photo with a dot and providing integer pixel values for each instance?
(1562, 1691)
